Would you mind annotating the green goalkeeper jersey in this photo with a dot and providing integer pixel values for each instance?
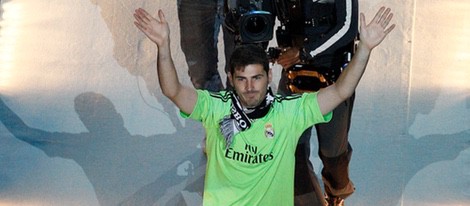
(258, 167)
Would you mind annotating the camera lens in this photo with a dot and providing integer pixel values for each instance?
(256, 24)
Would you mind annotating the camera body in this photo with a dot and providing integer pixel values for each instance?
(256, 26)
(284, 40)
(251, 20)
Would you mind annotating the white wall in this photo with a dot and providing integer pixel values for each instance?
(410, 130)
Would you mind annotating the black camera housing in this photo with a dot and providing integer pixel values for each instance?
(252, 21)
(256, 27)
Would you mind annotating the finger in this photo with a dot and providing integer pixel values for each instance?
(363, 20)
(161, 15)
(145, 16)
(143, 12)
(139, 26)
(384, 17)
(385, 14)
(378, 15)
(140, 16)
(387, 20)
(390, 29)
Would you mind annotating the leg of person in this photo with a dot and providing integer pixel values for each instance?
(335, 153)
(199, 42)
(229, 46)
(307, 190)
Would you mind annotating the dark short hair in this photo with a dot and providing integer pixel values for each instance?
(247, 54)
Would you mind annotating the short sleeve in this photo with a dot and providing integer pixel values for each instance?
(201, 103)
(312, 112)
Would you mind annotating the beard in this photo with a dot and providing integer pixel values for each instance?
(252, 99)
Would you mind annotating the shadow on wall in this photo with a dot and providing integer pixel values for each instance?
(169, 169)
(388, 160)
(388, 167)
(121, 167)
(125, 169)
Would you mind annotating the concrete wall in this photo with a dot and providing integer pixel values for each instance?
(83, 121)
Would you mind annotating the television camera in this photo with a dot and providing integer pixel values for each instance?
(252, 21)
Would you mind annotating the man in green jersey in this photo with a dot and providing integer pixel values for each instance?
(252, 134)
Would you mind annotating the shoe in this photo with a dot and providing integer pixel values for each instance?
(334, 201)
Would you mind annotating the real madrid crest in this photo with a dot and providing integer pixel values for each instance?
(268, 130)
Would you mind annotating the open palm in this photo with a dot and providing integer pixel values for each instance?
(373, 33)
(156, 30)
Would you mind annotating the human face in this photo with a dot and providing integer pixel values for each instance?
(251, 84)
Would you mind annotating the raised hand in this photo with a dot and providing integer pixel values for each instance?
(373, 33)
(289, 56)
(157, 30)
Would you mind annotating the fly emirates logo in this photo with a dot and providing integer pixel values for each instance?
(250, 155)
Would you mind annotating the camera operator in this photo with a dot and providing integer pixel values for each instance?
(316, 40)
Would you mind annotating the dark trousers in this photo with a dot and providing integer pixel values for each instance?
(334, 151)
(200, 24)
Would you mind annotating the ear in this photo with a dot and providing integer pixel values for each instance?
(229, 77)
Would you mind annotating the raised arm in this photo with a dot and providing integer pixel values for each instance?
(158, 31)
(371, 35)
(35, 137)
